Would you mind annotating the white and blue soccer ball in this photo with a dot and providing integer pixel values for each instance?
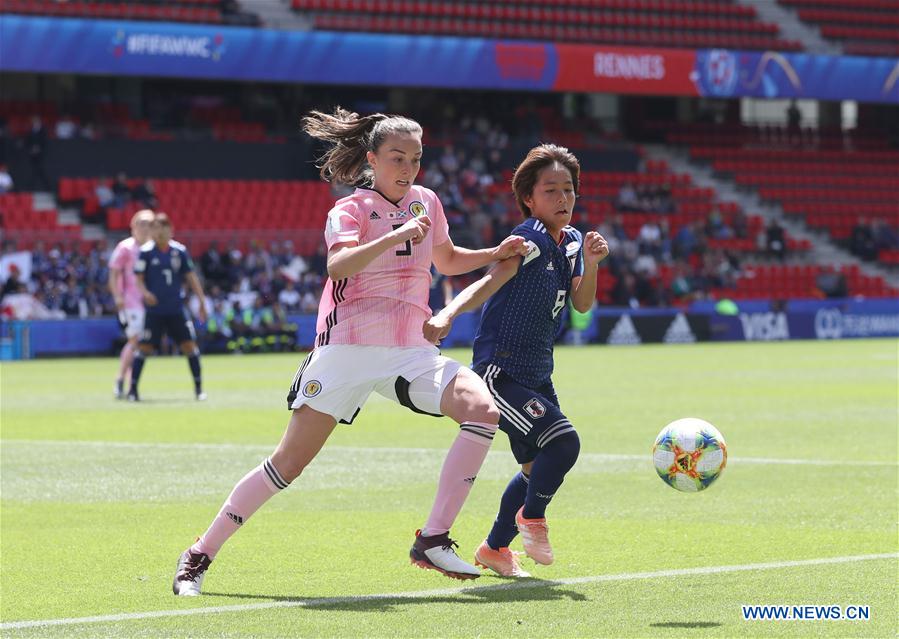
(689, 454)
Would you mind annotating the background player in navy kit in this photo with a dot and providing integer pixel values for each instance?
(513, 348)
(162, 269)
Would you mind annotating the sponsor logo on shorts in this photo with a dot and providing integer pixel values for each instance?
(535, 409)
(312, 388)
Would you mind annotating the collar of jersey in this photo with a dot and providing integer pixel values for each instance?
(540, 226)
(386, 199)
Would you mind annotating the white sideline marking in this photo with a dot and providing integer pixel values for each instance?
(267, 448)
(424, 594)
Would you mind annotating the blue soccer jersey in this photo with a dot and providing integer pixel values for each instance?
(164, 272)
(520, 322)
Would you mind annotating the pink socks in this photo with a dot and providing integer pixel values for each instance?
(460, 469)
(256, 488)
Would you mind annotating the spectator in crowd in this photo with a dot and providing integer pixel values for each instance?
(775, 240)
(103, 192)
(218, 329)
(740, 224)
(215, 266)
(66, 128)
(886, 238)
(627, 198)
(36, 147)
(12, 283)
(686, 240)
(121, 190)
(290, 297)
(6, 182)
(831, 284)
(144, 193)
(794, 121)
(650, 239)
(861, 240)
(681, 285)
(716, 228)
(318, 263)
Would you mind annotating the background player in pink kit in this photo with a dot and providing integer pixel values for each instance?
(381, 241)
(126, 293)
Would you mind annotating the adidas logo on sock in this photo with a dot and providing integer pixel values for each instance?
(237, 519)
(470, 480)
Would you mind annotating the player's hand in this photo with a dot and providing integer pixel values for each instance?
(150, 299)
(202, 314)
(436, 328)
(415, 230)
(119, 304)
(510, 247)
(596, 249)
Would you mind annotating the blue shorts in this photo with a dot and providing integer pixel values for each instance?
(531, 417)
(178, 326)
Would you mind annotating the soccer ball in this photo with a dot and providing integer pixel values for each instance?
(689, 454)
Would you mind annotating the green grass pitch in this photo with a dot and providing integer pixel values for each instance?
(99, 497)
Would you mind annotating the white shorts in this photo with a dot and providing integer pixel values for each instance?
(336, 379)
(132, 321)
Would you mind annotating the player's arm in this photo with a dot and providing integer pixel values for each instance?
(583, 287)
(116, 276)
(345, 259)
(193, 282)
(471, 298)
(149, 298)
(455, 260)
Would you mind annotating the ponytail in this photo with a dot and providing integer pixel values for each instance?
(351, 137)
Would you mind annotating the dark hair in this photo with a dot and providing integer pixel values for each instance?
(351, 136)
(537, 159)
(162, 220)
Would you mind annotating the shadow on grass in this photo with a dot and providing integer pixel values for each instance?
(517, 590)
(686, 624)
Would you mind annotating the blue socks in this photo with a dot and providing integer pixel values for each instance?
(194, 361)
(504, 530)
(534, 492)
(548, 473)
(137, 366)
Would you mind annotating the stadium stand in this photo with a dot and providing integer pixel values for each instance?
(863, 27)
(628, 22)
(29, 225)
(202, 11)
(114, 120)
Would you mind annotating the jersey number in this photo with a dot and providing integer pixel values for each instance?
(560, 302)
(407, 247)
(168, 276)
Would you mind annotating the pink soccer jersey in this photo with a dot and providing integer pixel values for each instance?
(386, 303)
(123, 257)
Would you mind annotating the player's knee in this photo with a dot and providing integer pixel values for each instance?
(565, 449)
(482, 408)
(190, 348)
(288, 466)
